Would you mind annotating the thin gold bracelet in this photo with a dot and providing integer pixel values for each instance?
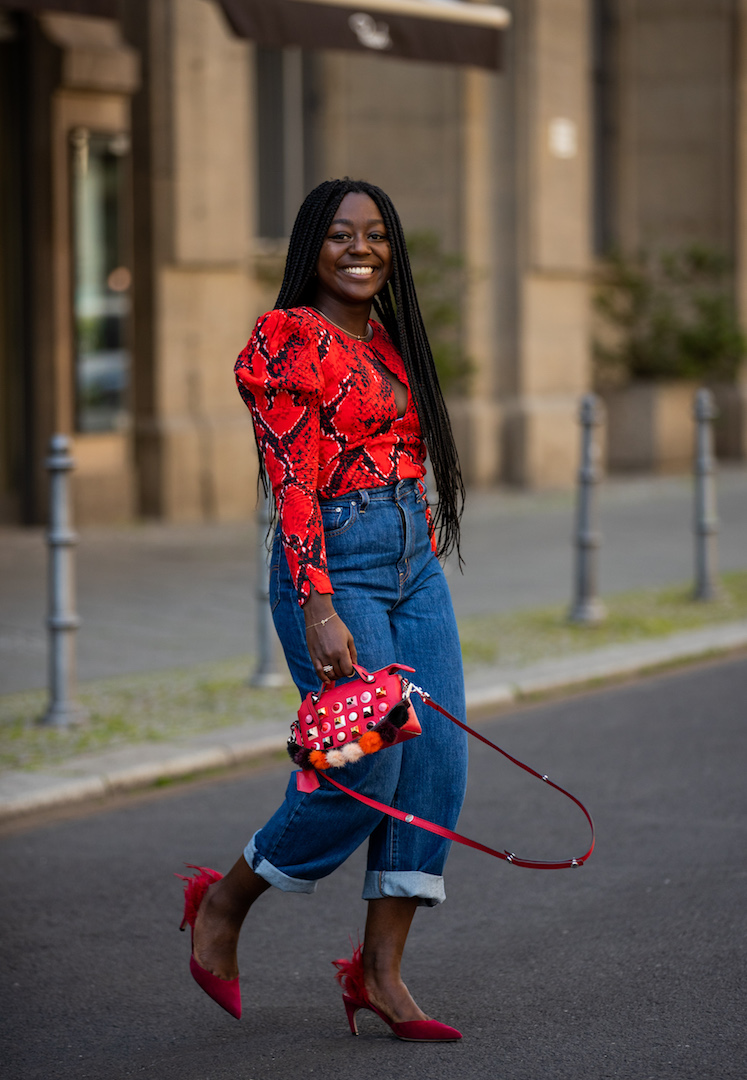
(312, 625)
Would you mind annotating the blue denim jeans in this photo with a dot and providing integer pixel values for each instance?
(391, 592)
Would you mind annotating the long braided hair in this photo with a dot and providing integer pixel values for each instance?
(397, 307)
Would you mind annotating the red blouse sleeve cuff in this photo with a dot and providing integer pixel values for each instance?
(319, 580)
(431, 530)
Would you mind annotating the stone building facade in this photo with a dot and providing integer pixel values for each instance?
(610, 121)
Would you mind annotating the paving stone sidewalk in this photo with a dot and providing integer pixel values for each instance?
(154, 596)
(157, 596)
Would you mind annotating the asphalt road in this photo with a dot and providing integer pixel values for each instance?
(632, 967)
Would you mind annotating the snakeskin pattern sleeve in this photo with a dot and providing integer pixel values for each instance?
(279, 376)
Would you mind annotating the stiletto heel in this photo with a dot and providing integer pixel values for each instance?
(351, 1009)
(350, 977)
(225, 992)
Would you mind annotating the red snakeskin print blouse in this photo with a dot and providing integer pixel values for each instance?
(326, 423)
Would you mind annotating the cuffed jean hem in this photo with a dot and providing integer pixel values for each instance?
(428, 888)
(271, 874)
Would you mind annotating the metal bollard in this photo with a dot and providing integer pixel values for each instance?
(63, 709)
(266, 674)
(587, 608)
(706, 517)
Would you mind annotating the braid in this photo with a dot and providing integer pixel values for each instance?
(397, 307)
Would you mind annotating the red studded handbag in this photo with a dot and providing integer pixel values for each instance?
(339, 725)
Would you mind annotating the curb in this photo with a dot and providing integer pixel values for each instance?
(494, 687)
(96, 776)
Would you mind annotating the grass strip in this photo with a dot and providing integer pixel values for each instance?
(148, 707)
(516, 639)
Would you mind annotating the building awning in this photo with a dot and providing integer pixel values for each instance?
(446, 31)
(108, 9)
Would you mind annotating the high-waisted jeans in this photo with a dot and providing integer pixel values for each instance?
(391, 593)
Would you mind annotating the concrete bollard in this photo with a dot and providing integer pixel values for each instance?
(62, 621)
(706, 517)
(266, 673)
(587, 608)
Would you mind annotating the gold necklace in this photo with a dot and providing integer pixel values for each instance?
(358, 337)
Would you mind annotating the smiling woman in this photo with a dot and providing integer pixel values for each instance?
(345, 409)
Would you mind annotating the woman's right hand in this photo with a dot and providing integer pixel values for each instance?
(328, 639)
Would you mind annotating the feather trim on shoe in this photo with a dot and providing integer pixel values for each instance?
(350, 975)
(195, 889)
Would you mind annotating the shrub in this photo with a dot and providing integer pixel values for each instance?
(670, 316)
(439, 280)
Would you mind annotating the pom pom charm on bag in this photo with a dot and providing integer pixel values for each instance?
(340, 725)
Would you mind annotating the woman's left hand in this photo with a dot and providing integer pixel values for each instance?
(328, 639)
(332, 650)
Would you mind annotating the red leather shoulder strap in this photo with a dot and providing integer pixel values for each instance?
(449, 834)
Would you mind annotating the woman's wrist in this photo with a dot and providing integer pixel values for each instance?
(318, 607)
(322, 622)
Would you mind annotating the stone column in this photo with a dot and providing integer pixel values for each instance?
(738, 402)
(476, 418)
(194, 194)
(549, 365)
(82, 77)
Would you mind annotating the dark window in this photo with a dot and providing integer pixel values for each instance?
(603, 30)
(101, 279)
(285, 108)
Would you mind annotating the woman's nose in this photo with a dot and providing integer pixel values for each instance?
(359, 244)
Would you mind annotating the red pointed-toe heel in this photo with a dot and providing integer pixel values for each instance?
(225, 992)
(354, 996)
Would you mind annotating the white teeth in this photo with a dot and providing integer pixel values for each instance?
(359, 271)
